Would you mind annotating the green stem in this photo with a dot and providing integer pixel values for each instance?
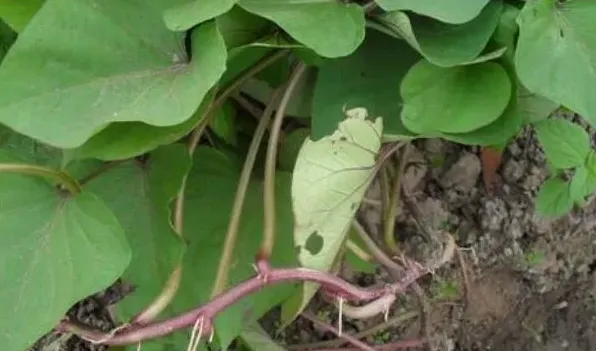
(60, 177)
(232, 233)
(269, 188)
(384, 185)
(358, 251)
(171, 287)
(389, 224)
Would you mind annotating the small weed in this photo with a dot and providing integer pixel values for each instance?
(534, 258)
(382, 337)
(446, 290)
(437, 161)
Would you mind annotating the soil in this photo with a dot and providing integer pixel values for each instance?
(531, 281)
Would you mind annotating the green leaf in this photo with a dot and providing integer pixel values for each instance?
(7, 38)
(330, 28)
(565, 143)
(582, 184)
(123, 140)
(185, 14)
(55, 250)
(101, 66)
(453, 100)
(17, 13)
(554, 198)
(453, 11)
(533, 107)
(140, 194)
(290, 147)
(243, 57)
(299, 106)
(505, 34)
(223, 124)
(498, 132)
(445, 44)
(368, 78)
(256, 338)
(211, 187)
(526, 107)
(29, 150)
(330, 178)
(239, 27)
(556, 53)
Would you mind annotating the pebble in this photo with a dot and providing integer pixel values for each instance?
(463, 174)
(493, 214)
(513, 171)
(514, 229)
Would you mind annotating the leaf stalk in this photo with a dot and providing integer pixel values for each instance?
(271, 160)
(60, 177)
(225, 260)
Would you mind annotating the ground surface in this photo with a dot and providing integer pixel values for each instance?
(531, 281)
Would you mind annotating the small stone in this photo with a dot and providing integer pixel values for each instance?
(514, 229)
(493, 214)
(514, 149)
(565, 344)
(582, 268)
(512, 171)
(463, 174)
(516, 248)
(508, 252)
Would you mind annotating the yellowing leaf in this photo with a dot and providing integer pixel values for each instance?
(330, 178)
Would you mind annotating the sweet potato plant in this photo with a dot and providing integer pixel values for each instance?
(213, 154)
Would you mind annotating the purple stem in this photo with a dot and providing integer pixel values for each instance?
(137, 333)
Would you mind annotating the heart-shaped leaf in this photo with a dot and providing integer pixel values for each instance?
(453, 100)
(556, 53)
(565, 143)
(55, 250)
(445, 44)
(330, 28)
(140, 193)
(98, 64)
(554, 198)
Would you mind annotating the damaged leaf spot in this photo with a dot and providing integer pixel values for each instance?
(314, 243)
